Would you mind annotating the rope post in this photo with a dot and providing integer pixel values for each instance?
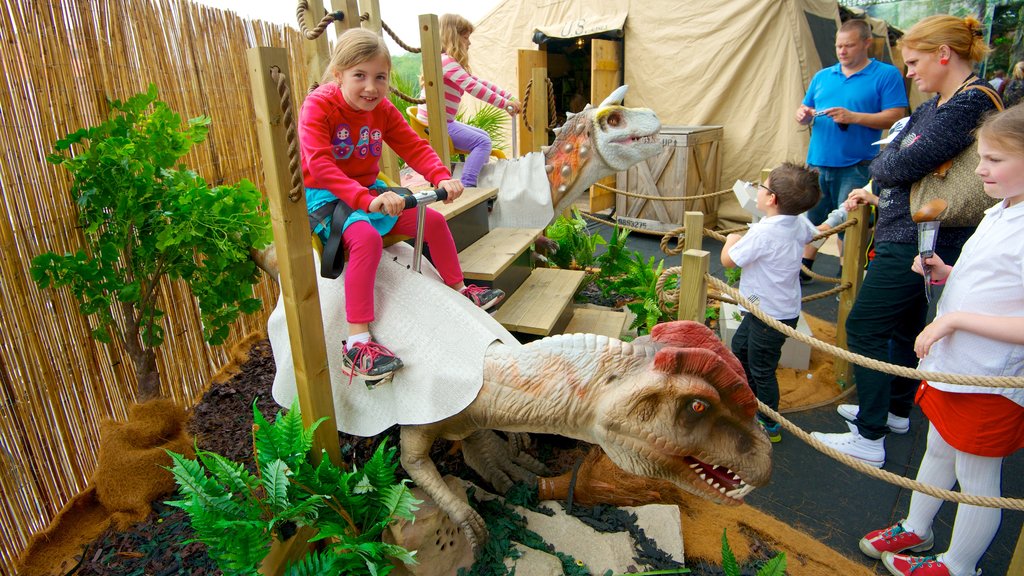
(538, 109)
(693, 223)
(294, 252)
(388, 159)
(855, 248)
(1017, 562)
(693, 288)
(318, 52)
(433, 85)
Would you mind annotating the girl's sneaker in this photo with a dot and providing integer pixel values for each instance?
(485, 298)
(905, 565)
(369, 360)
(893, 540)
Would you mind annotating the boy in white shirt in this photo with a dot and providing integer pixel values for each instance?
(769, 254)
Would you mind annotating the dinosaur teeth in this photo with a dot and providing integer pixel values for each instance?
(715, 467)
(710, 481)
(740, 492)
(694, 465)
(722, 489)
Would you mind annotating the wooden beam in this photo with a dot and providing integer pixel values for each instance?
(388, 158)
(538, 109)
(527, 61)
(693, 288)
(694, 223)
(433, 86)
(854, 258)
(294, 253)
(1017, 562)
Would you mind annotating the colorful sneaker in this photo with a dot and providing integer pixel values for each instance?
(896, 424)
(774, 431)
(485, 298)
(894, 539)
(369, 360)
(905, 565)
(871, 452)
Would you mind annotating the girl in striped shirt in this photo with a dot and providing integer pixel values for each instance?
(458, 79)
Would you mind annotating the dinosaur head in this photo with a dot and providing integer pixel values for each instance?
(598, 142)
(688, 417)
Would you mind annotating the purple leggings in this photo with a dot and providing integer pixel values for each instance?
(365, 246)
(479, 145)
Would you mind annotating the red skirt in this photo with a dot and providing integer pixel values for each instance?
(989, 425)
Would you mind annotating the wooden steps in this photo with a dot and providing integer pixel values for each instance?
(491, 255)
(470, 197)
(610, 323)
(543, 303)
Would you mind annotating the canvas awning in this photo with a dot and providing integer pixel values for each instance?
(606, 26)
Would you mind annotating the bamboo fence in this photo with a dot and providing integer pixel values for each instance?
(63, 61)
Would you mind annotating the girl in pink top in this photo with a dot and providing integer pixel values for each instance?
(458, 79)
(342, 128)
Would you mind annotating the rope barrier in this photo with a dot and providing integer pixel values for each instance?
(894, 369)
(661, 198)
(885, 476)
(394, 36)
(300, 12)
(294, 165)
(406, 97)
(551, 104)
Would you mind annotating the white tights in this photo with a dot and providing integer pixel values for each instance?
(975, 526)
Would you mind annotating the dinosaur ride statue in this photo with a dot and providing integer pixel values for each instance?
(592, 144)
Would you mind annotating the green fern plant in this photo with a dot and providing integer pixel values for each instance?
(638, 283)
(774, 567)
(237, 513)
(615, 259)
(576, 246)
(732, 275)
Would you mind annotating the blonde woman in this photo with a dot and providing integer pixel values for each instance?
(1013, 92)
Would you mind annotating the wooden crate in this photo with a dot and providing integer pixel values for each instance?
(690, 166)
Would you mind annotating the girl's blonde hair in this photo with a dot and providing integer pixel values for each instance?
(1005, 129)
(453, 28)
(1018, 71)
(964, 36)
(354, 47)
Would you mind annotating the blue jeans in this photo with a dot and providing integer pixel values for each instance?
(836, 184)
(889, 313)
(759, 347)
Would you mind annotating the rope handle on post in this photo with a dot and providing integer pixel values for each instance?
(294, 162)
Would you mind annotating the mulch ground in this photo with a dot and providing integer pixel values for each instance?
(222, 422)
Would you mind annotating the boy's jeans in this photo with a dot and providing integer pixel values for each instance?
(759, 347)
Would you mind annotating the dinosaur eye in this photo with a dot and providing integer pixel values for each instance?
(698, 406)
(614, 119)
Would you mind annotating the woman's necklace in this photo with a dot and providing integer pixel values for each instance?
(970, 78)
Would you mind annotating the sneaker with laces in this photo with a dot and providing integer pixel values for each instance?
(896, 424)
(369, 360)
(871, 452)
(774, 431)
(906, 565)
(485, 298)
(893, 540)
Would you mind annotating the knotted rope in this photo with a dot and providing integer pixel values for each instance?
(405, 96)
(552, 120)
(294, 164)
(300, 12)
(661, 198)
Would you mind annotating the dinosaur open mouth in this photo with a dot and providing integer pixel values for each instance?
(633, 140)
(720, 478)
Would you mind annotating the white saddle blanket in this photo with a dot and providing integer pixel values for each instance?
(439, 334)
(524, 193)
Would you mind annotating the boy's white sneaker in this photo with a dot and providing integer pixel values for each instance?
(871, 452)
(896, 424)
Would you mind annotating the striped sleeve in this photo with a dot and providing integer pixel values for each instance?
(456, 76)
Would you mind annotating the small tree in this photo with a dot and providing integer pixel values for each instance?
(144, 219)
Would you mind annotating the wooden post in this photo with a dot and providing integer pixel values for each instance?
(693, 288)
(388, 158)
(854, 257)
(1017, 562)
(318, 52)
(294, 254)
(539, 108)
(694, 224)
(527, 61)
(433, 86)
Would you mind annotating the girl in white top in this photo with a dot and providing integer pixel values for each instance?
(978, 329)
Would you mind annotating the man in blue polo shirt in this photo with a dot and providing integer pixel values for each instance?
(849, 104)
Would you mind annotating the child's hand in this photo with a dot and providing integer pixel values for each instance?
(942, 326)
(388, 203)
(513, 107)
(859, 196)
(939, 270)
(453, 187)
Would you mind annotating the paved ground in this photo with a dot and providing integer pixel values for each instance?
(833, 502)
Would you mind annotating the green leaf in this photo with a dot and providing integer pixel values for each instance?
(774, 567)
(275, 484)
(729, 565)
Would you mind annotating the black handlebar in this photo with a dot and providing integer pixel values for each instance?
(425, 197)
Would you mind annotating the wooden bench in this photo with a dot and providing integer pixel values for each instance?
(593, 321)
(491, 255)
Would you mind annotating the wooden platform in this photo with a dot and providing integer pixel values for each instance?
(608, 323)
(470, 198)
(489, 256)
(540, 303)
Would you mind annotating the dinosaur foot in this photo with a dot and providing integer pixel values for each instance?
(500, 462)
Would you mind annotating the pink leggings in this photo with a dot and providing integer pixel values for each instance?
(365, 246)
